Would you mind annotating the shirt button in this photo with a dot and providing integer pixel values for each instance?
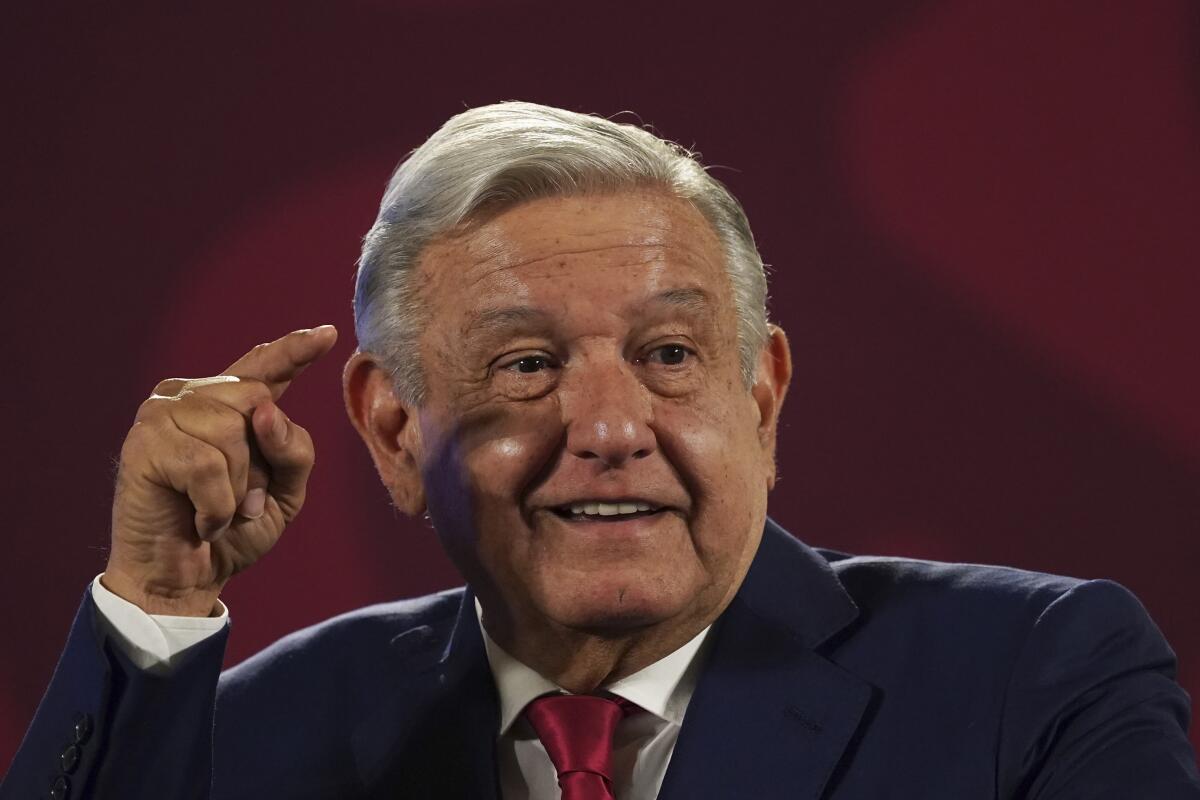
(69, 759)
(83, 728)
(60, 789)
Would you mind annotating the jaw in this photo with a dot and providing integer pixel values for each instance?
(584, 602)
(582, 628)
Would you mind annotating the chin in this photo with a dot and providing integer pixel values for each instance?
(615, 607)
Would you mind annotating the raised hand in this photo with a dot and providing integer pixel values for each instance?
(210, 474)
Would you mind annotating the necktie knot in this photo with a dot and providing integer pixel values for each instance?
(577, 731)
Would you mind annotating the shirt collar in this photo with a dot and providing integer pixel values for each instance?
(663, 688)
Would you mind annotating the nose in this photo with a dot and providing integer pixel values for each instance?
(607, 413)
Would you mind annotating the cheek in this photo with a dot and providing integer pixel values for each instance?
(716, 450)
(474, 482)
(714, 445)
(505, 465)
(492, 458)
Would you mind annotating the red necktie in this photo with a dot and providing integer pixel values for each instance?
(577, 730)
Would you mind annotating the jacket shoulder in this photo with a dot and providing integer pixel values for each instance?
(350, 641)
(879, 583)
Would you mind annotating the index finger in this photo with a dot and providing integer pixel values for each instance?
(278, 363)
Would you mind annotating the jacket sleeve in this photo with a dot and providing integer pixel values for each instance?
(1093, 709)
(107, 729)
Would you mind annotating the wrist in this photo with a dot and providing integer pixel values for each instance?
(162, 600)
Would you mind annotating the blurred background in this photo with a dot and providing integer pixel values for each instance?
(982, 220)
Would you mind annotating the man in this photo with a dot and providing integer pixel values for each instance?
(564, 360)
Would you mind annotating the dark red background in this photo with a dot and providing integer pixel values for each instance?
(981, 218)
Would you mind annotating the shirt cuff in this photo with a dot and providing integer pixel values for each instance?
(153, 642)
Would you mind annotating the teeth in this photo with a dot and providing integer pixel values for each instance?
(608, 509)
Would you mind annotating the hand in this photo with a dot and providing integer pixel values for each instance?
(210, 474)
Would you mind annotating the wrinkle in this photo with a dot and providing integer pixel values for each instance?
(657, 255)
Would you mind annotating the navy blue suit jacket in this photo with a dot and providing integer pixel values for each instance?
(828, 677)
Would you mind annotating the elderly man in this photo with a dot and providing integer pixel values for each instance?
(564, 360)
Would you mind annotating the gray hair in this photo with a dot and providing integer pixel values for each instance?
(493, 157)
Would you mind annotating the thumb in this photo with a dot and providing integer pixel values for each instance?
(287, 449)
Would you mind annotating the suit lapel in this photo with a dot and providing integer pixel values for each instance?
(434, 734)
(770, 716)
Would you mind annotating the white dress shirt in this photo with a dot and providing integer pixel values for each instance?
(642, 745)
(152, 642)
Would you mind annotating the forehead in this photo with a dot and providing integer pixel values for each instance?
(613, 244)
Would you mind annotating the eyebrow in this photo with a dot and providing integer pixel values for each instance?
(500, 320)
(504, 320)
(692, 300)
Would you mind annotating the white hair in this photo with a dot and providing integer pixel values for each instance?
(493, 157)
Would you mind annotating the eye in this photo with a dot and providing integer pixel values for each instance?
(530, 364)
(670, 355)
(525, 376)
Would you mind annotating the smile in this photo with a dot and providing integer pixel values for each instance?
(606, 511)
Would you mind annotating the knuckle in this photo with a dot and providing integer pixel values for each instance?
(299, 451)
(143, 439)
(307, 458)
(237, 455)
(302, 442)
(228, 426)
(262, 393)
(137, 433)
(154, 405)
(205, 463)
(135, 442)
(210, 420)
(224, 508)
(255, 391)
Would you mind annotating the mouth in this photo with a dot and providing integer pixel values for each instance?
(607, 511)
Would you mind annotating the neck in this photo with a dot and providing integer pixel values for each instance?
(583, 661)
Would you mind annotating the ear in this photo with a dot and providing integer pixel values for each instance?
(770, 388)
(388, 428)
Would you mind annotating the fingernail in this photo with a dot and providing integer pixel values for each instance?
(253, 504)
(279, 427)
